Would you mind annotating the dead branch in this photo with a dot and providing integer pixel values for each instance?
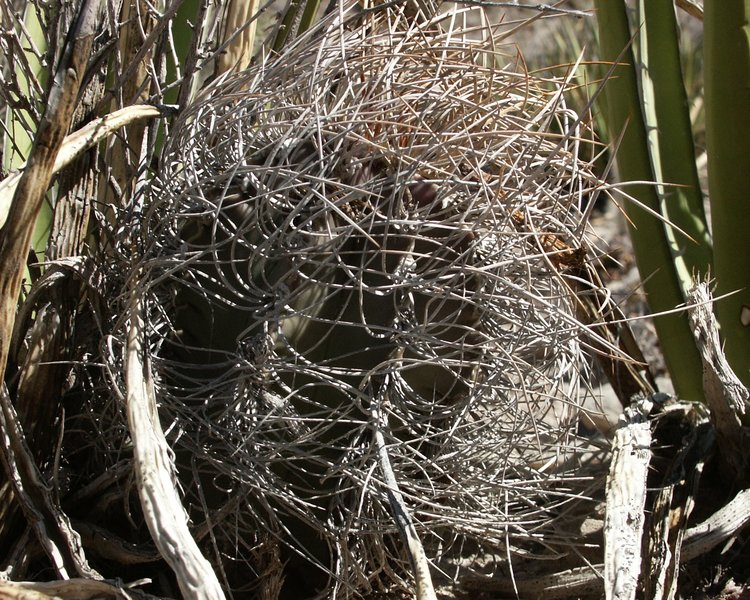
(162, 508)
(52, 527)
(726, 396)
(626, 500)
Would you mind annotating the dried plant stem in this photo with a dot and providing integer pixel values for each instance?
(71, 589)
(543, 8)
(15, 236)
(51, 525)
(719, 527)
(162, 508)
(585, 581)
(626, 499)
(417, 557)
(240, 23)
(726, 396)
(75, 144)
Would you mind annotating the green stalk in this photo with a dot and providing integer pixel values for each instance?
(671, 148)
(17, 144)
(727, 91)
(298, 18)
(650, 242)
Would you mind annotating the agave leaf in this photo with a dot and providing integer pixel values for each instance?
(727, 68)
(645, 222)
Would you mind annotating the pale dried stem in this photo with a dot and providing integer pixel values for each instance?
(154, 468)
(626, 500)
(32, 490)
(71, 589)
(726, 396)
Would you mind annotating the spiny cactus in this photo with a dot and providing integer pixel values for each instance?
(367, 233)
